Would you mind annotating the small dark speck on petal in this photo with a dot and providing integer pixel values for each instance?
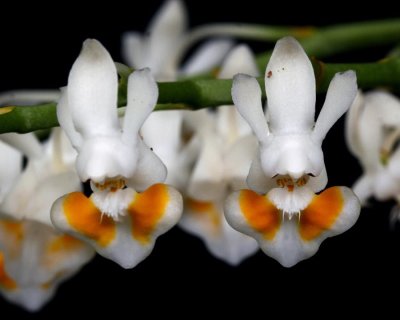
(269, 74)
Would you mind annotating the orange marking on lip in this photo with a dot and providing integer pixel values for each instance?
(321, 213)
(14, 228)
(5, 281)
(208, 208)
(64, 243)
(260, 213)
(146, 210)
(85, 218)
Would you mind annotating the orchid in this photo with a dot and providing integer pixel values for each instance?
(35, 258)
(166, 39)
(372, 129)
(289, 168)
(227, 148)
(129, 207)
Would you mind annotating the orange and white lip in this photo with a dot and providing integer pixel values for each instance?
(130, 239)
(291, 240)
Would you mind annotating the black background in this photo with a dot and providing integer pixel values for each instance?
(38, 46)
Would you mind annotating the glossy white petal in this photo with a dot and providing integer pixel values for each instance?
(239, 60)
(142, 98)
(238, 160)
(388, 105)
(92, 92)
(133, 49)
(207, 57)
(207, 180)
(341, 94)
(246, 95)
(149, 169)
(257, 180)
(352, 123)
(166, 31)
(206, 220)
(363, 187)
(290, 241)
(290, 88)
(129, 240)
(27, 143)
(65, 119)
(10, 168)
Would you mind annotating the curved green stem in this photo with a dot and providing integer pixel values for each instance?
(331, 40)
(202, 93)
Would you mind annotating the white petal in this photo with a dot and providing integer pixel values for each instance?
(149, 170)
(162, 132)
(240, 60)
(318, 183)
(166, 31)
(133, 50)
(352, 125)
(257, 180)
(208, 56)
(388, 107)
(246, 95)
(65, 119)
(207, 182)
(238, 160)
(92, 91)
(142, 98)
(27, 143)
(363, 187)
(370, 135)
(341, 93)
(230, 124)
(290, 88)
(206, 220)
(10, 168)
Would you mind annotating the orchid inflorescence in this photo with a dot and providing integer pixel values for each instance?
(239, 177)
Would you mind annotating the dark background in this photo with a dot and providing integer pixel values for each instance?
(38, 47)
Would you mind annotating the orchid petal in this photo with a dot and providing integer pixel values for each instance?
(206, 220)
(10, 168)
(207, 57)
(65, 119)
(133, 46)
(142, 98)
(341, 94)
(150, 169)
(27, 143)
(352, 123)
(165, 34)
(246, 95)
(92, 92)
(129, 240)
(207, 180)
(363, 187)
(239, 60)
(290, 88)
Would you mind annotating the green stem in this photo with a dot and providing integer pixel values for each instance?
(328, 41)
(203, 93)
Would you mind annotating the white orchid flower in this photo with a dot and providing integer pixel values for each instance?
(161, 48)
(289, 152)
(227, 149)
(372, 129)
(34, 258)
(120, 223)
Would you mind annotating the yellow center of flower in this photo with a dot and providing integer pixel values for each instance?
(290, 184)
(112, 185)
